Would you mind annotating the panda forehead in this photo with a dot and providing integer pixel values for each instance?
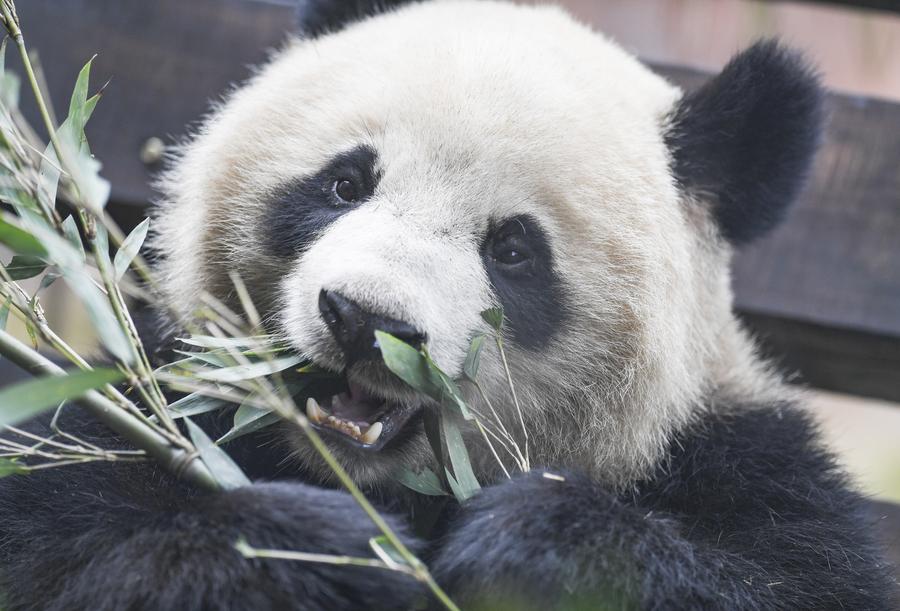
(468, 77)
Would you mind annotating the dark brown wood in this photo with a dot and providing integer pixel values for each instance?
(835, 261)
(892, 6)
(830, 275)
(165, 61)
(830, 358)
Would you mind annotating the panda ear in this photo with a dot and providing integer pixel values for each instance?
(744, 142)
(316, 17)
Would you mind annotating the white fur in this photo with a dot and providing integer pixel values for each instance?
(478, 111)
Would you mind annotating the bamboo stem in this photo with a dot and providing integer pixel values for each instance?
(177, 460)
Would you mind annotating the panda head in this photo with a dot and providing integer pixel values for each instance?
(407, 171)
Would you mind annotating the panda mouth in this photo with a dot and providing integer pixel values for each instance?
(357, 417)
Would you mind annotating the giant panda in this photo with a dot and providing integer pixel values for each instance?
(403, 167)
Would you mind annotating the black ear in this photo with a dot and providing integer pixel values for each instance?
(746, 139)
(315, 17)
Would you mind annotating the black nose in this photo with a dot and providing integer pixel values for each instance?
(354, 327)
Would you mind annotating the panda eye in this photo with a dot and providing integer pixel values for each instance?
(346, 190)
(510, 251)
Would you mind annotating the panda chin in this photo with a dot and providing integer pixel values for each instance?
(359, 418)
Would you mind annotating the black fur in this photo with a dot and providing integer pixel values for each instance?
(747, 513)
(128, 537)
(532, 293)
(316, 17)
(747, 138)
(299, 211)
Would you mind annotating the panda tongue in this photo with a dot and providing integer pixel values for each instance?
(356, 405)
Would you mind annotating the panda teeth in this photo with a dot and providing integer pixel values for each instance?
(372, 434)
(319, 416)
(314, 412)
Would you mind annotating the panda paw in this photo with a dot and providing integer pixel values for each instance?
(531, 540)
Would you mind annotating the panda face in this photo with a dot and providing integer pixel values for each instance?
(417, 168)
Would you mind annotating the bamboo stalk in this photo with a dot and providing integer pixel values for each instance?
(175, 459)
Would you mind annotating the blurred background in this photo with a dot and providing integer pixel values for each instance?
(822, 293)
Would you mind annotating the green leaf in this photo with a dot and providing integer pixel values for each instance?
(386, 551)
(24, 400)
(60, 251)
(10, 86)
(451, 395)
(211, 342)
(216, 359)
(70, 229)
(248, 419)
(457, 490)
(493, 317)
(102, 240)
(247, 372)
(24, 266)
(408, 364)
(20, 241)
(49, 278)
(425, 482)
(79, 93)
(194, 404)
(4, 314)
(223, 469)
(459, 457)
(48, 177)
(130, 248)
(473, 358)
(11, 467)
(83, 168)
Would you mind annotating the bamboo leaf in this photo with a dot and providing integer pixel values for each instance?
(462, 469)
(79, 93)
(10, 86)
(130, 248)
(49, 278)
(25, 266)
(473, 358)
(408, 364)
(210, 342)
(101, 314)
(11, 467)
(246, 372)
(24, 400)
(194, 404)
(386, 552)
(220, 359)
(455, 488)
(225, 470)
(4, 314)
(48, 177)
(493, 317)
(20, 241)
(70, 229)
(249, 419)
(425, 482)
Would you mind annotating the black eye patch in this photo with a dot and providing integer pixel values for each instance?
(519, 262)
(297, 212)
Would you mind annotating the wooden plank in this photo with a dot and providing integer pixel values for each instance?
(834, 261)
(165, 61)
(888, 6)
(830, 358)
(832, 267)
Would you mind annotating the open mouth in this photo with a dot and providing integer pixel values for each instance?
(359, 418)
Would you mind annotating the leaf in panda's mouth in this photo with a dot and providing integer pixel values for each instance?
(358, 416)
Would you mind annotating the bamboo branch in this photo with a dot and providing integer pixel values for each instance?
(175, 459)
